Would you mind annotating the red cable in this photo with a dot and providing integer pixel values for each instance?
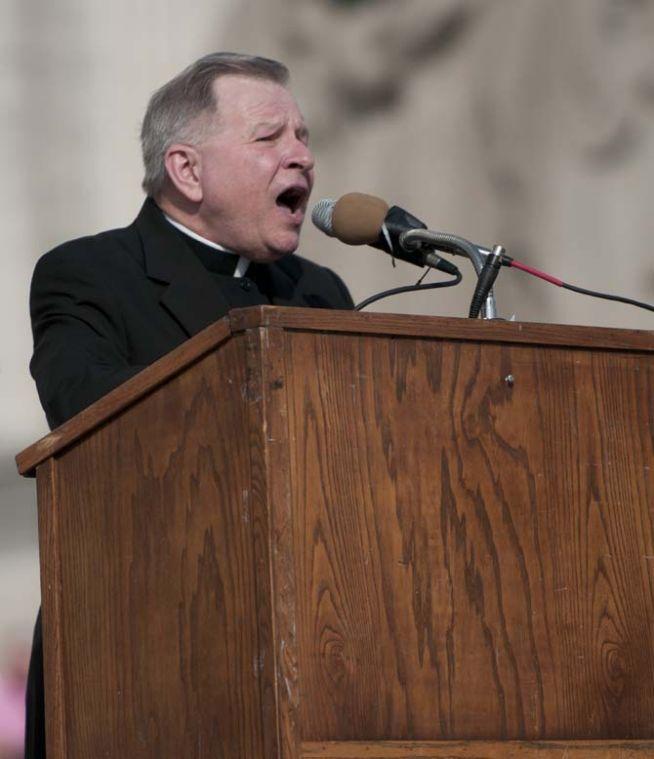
(537, 273)
(560, 283)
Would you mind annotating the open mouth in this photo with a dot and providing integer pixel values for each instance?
(292, 198)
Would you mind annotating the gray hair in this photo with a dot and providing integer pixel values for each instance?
(174, 111)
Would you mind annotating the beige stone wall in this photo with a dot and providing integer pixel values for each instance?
(75, 77)
(526, 122)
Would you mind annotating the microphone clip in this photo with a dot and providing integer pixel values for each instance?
(396, 224)
(397, 229)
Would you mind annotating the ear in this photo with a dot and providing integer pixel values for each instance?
(183, 166)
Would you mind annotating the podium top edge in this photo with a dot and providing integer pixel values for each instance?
(455, 328)
(328, 321)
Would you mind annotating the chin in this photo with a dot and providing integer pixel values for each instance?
(281, 248)
(271, 255)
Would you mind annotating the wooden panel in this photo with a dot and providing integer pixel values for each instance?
(478, 553)
(122, 397)
(158, 591)
(321, 320)
(272, 520)
(52, 629)
(481, 750)
(327, 320)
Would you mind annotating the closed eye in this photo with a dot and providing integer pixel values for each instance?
(303, 136)
(268, 136)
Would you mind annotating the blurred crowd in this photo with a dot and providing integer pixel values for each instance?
(14, 660)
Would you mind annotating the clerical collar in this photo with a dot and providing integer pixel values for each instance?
(243, 262)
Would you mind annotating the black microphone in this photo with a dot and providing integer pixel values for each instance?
(360, 219)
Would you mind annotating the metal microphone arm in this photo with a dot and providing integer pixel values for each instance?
(458, 246)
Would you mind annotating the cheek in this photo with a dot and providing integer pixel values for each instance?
(260, 170)
(240, 183)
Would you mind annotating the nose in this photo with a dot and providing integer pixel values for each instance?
(299, 156)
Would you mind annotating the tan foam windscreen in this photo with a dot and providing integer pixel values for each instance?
(357, 218)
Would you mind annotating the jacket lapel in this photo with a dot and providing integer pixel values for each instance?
(191, 295)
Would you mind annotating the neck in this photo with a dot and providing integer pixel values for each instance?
(185, 212)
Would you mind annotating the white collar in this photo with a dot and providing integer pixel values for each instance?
(241, 266)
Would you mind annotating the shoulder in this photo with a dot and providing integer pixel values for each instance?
(101, 256)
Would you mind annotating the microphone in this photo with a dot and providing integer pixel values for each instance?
(360, 219)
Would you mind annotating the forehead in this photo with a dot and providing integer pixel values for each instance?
(247, 101)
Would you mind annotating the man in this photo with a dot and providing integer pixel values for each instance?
(228, 173)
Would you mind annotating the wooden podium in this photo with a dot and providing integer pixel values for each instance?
(308, 533)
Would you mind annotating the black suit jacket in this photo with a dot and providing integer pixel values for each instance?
(106, 306)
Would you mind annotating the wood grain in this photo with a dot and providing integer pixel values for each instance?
(481, 750)
(309, 540)
(122, 397)
(271, 504)
(158, 595)
(326, 320)
(52, 619)
(476, 557)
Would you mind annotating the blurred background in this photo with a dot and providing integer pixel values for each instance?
(523, 122)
